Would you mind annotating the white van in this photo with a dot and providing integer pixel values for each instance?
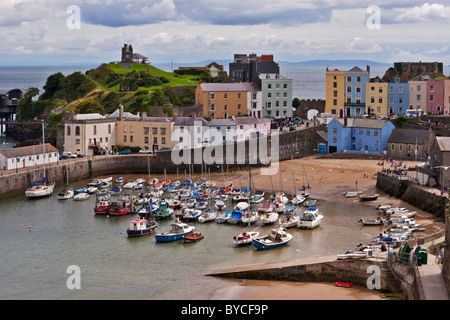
(414, 112)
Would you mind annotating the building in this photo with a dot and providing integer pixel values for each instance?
(139, 58)
(355, 135)
(222, 131)
(129, 57)
(276, 95)
(335, 92)
(398, 96)
(251, 127)
(245, 68)
(416, 68)
(151, 133)
(409, 143)
(376, 98)
(89, 134)
(446, 97)
(438, 163)
(30, 156)
(223, 100)
(355, 91)
(418, 91)
(189, 132)
(435, 97)
(215, 70)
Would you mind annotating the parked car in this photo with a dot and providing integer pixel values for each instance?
(78, 155)
(164, 149)
(145, 151)
(68, 155)
(125, 151)
(292, 128)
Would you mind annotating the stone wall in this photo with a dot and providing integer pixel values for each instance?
(308, 104)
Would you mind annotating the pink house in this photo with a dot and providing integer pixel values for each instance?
(251, 127)
(435, 96)
(447, 97)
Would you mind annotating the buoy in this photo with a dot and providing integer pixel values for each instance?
(82, 233)
(21, 225)
(36, 230)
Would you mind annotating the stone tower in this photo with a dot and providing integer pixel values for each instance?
(127, 56)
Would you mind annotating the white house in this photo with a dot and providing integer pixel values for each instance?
(222, 131)
(30, 156)
(190, 132)
(251, 127)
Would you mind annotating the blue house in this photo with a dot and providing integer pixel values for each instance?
(355, 91)
(398, 96)
(355, 135)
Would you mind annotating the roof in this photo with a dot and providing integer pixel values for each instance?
(88, 116)
(222, 122)
(356, 69)
(364, 123)
(190, 121)
(233, 86)
(410, 136)
(116, 114)
(249, 120)
(139, 56)
(423, 77)
(148, 119)
(27, 151)
(444, 143)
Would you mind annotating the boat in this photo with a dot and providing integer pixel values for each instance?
(201, 205)
(280, 197)
(194, 237)
(352, 255)
(343, 284)
(372, 197)
(276, 238)
(268, 218)
(102, 204)
(240, 197)
(245, 237)
(219, 204)
(141, 227)
(310, 218)
(372, 222)
(256, 199)
(279, 207)
(129, 185)
(223, 217)
(178, 230)
(298, 199)
(207, 216)
(241, 206)
(351, 194)
(174, 203)
(81, 190)
(163, 211)
(120, 207)
(310, 203)
(189, 214)
(235, 217)
(65, 194)
(115, 190)
(290, 210)
(94, 183)
(266, 207)
(81, 196)
(119, 180)
(91, 190)
(289, 221)
(249, 217)
(147, 208)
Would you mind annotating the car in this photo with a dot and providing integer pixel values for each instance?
(78, 155)
(143, 151)
(68, 155)
(125, 151)
(292, 128)
(164, 149)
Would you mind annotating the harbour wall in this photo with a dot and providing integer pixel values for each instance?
(295, 144)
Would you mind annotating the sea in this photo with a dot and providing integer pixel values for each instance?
(43, 241)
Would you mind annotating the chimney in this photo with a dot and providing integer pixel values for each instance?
(175, 116)
(144, 115)
(121, 113)
(368, 69)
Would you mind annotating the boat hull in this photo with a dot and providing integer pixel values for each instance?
(170, 237)
(261, 245)
(138, 233)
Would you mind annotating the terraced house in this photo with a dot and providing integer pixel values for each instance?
(355, 91)
(376, 98)
(398, 93)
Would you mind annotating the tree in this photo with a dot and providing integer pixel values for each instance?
(296, 103)
(52, 85)
(90, 106)
(25, 109)
(158, 98)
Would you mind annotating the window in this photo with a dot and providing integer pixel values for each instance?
(285, 86)
(146, 130)
(269, 86)
(400, 90)
(334, 130)
(358, 79)
(349, 79)
(154, 130)
(380, 100)
(375, 133)
(124, 138)
(334, 84)
(432, 98)
(392, 147)
(335, 102)
(335, 93)
(109, 129)
(431, 88)
(358, 89)
(77, 130)
(419, 87)
(349, 89)
(380, 90)
(368, 132)
(124, 128)
(162, 130)
(68, 131)
(418, 97)
(131, 129)
(225, 95)
(239, 95)
(212, 106)
(391, 89)
(131, 138)
(163, 140)
(95, 130)
(212, 95)
(400, 100)
(146, 140)
(77, 141)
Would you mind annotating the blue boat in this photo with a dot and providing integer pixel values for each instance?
(275, 239)
(178, 230)
(82, 190)
(236, 217)
(141, 227)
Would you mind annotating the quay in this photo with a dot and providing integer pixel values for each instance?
(404, 281)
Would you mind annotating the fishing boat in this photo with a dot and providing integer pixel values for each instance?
(102, 204)
(194, 237)
(223, 217)
(141, 227)
(245, 237)
(207, 216)
(372, 197)
(174, 203)
(310, 218)
(372, 222)
(276, 238)
(266, 207)
(351, 194)
(66, 193)
(178, 230)
(120, 207)
(268, 218)
(289, 221)
(163, 211)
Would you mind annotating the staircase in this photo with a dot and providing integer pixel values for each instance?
(388, 275)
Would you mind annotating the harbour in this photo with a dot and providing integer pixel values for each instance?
(43, 237)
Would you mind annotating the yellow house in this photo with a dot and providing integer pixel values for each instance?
(335, 92)
(376, 97)
(224, 100)
(151, 133)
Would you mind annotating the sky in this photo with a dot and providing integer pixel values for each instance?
(57, 32)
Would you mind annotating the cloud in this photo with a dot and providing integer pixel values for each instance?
(424, 12)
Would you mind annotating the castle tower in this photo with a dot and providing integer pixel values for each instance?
(127, 56)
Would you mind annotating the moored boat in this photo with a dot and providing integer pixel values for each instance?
(268, 218)
(81, 196)
(276, 238)
(372, 222)
(102, 204)
(207, 216)
(194, 237)
(178, 230)
(351, 194)
(310, 218)
(245, 237)
(372, 197)
(141, 227)
(66, 193)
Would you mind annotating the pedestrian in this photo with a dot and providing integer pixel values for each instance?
(356, 183)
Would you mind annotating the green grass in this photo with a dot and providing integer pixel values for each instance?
(174, 80)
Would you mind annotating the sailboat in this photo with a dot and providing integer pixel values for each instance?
(39, 189)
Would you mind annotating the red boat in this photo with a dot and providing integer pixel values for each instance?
(343, 284)
(121, 207)
(102, 205)
(193, 237)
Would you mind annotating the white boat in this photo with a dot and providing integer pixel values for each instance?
(223, 217)
(240, 197)
(119, 180)
(257, 199)
(298, 199)
(403, 222)
(279, 207)
(241, 206)
(245, 237)
(81, 196)
(351, 194)
(268, 218)
(188, 214)
(280, 197)
(289, 221)
(129, 185)
(310, 218)
(39, 190)
(178, 231)
(249, 217)
(65, 194)
(207, 216)
(276, 238)
(405, 214)
(266, 207)
(91, 190)
(174, 203)
(352, 255)
(372, 222)
(219, 205)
